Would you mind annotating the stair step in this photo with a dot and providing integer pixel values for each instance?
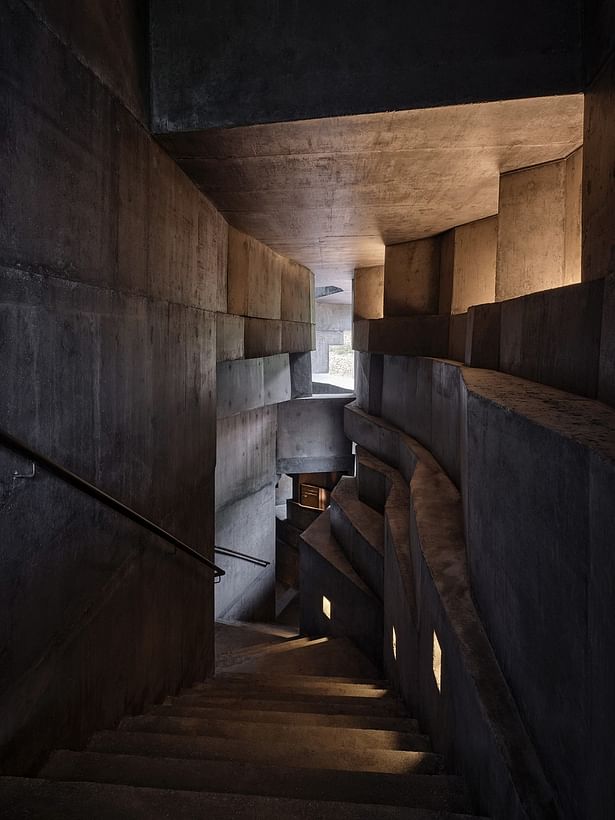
(316, 689)
(269, 648)
(263, 733)
(282, 751)
(396, 724)
(344, 706)
(38, 799)
(327, 656)
(307, 680)
(420, 791)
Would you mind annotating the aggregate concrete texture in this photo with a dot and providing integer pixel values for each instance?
(222, 65)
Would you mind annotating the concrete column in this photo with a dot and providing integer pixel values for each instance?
(467, 265)
(539, 228)
(368, 293)
(412, 277)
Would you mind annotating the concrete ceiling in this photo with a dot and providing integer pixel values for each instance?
(331, 193)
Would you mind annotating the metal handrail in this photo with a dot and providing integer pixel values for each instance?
(94, 492)
(242, 556)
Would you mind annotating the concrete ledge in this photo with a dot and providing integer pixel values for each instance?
(403, 335)
(359, 530)
(475, 721)
(247, 384)
(356, 613)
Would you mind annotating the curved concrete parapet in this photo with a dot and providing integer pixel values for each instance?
(536, 471)
(439, 654)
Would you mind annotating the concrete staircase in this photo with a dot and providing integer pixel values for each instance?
(279, 732)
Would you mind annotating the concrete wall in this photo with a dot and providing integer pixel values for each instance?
(412, 277)
(109, 268)
(534, 466)
(331, 322)
(271, 309)
(456, 685)
(368, 293)
(223, 64)
(311, 436)
(468, 265)
(245, 513)
(539, 232)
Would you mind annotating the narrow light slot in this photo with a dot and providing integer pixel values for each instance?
(326, 607)
(394, 643)
(437, 662)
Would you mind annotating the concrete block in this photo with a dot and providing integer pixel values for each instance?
(483, 336)
(240, 386)
(410, 336)
(276, 379)
(262, 337)
(368, 293)
(300, 374)
(412, 277)
(311, 435)
(297, 292)
(333, 317)
(297, 337)
(229, 337)
(475, 264)
(254, 277)
(553, 337)
(534, 250)
(368, 370)
(457, 336)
